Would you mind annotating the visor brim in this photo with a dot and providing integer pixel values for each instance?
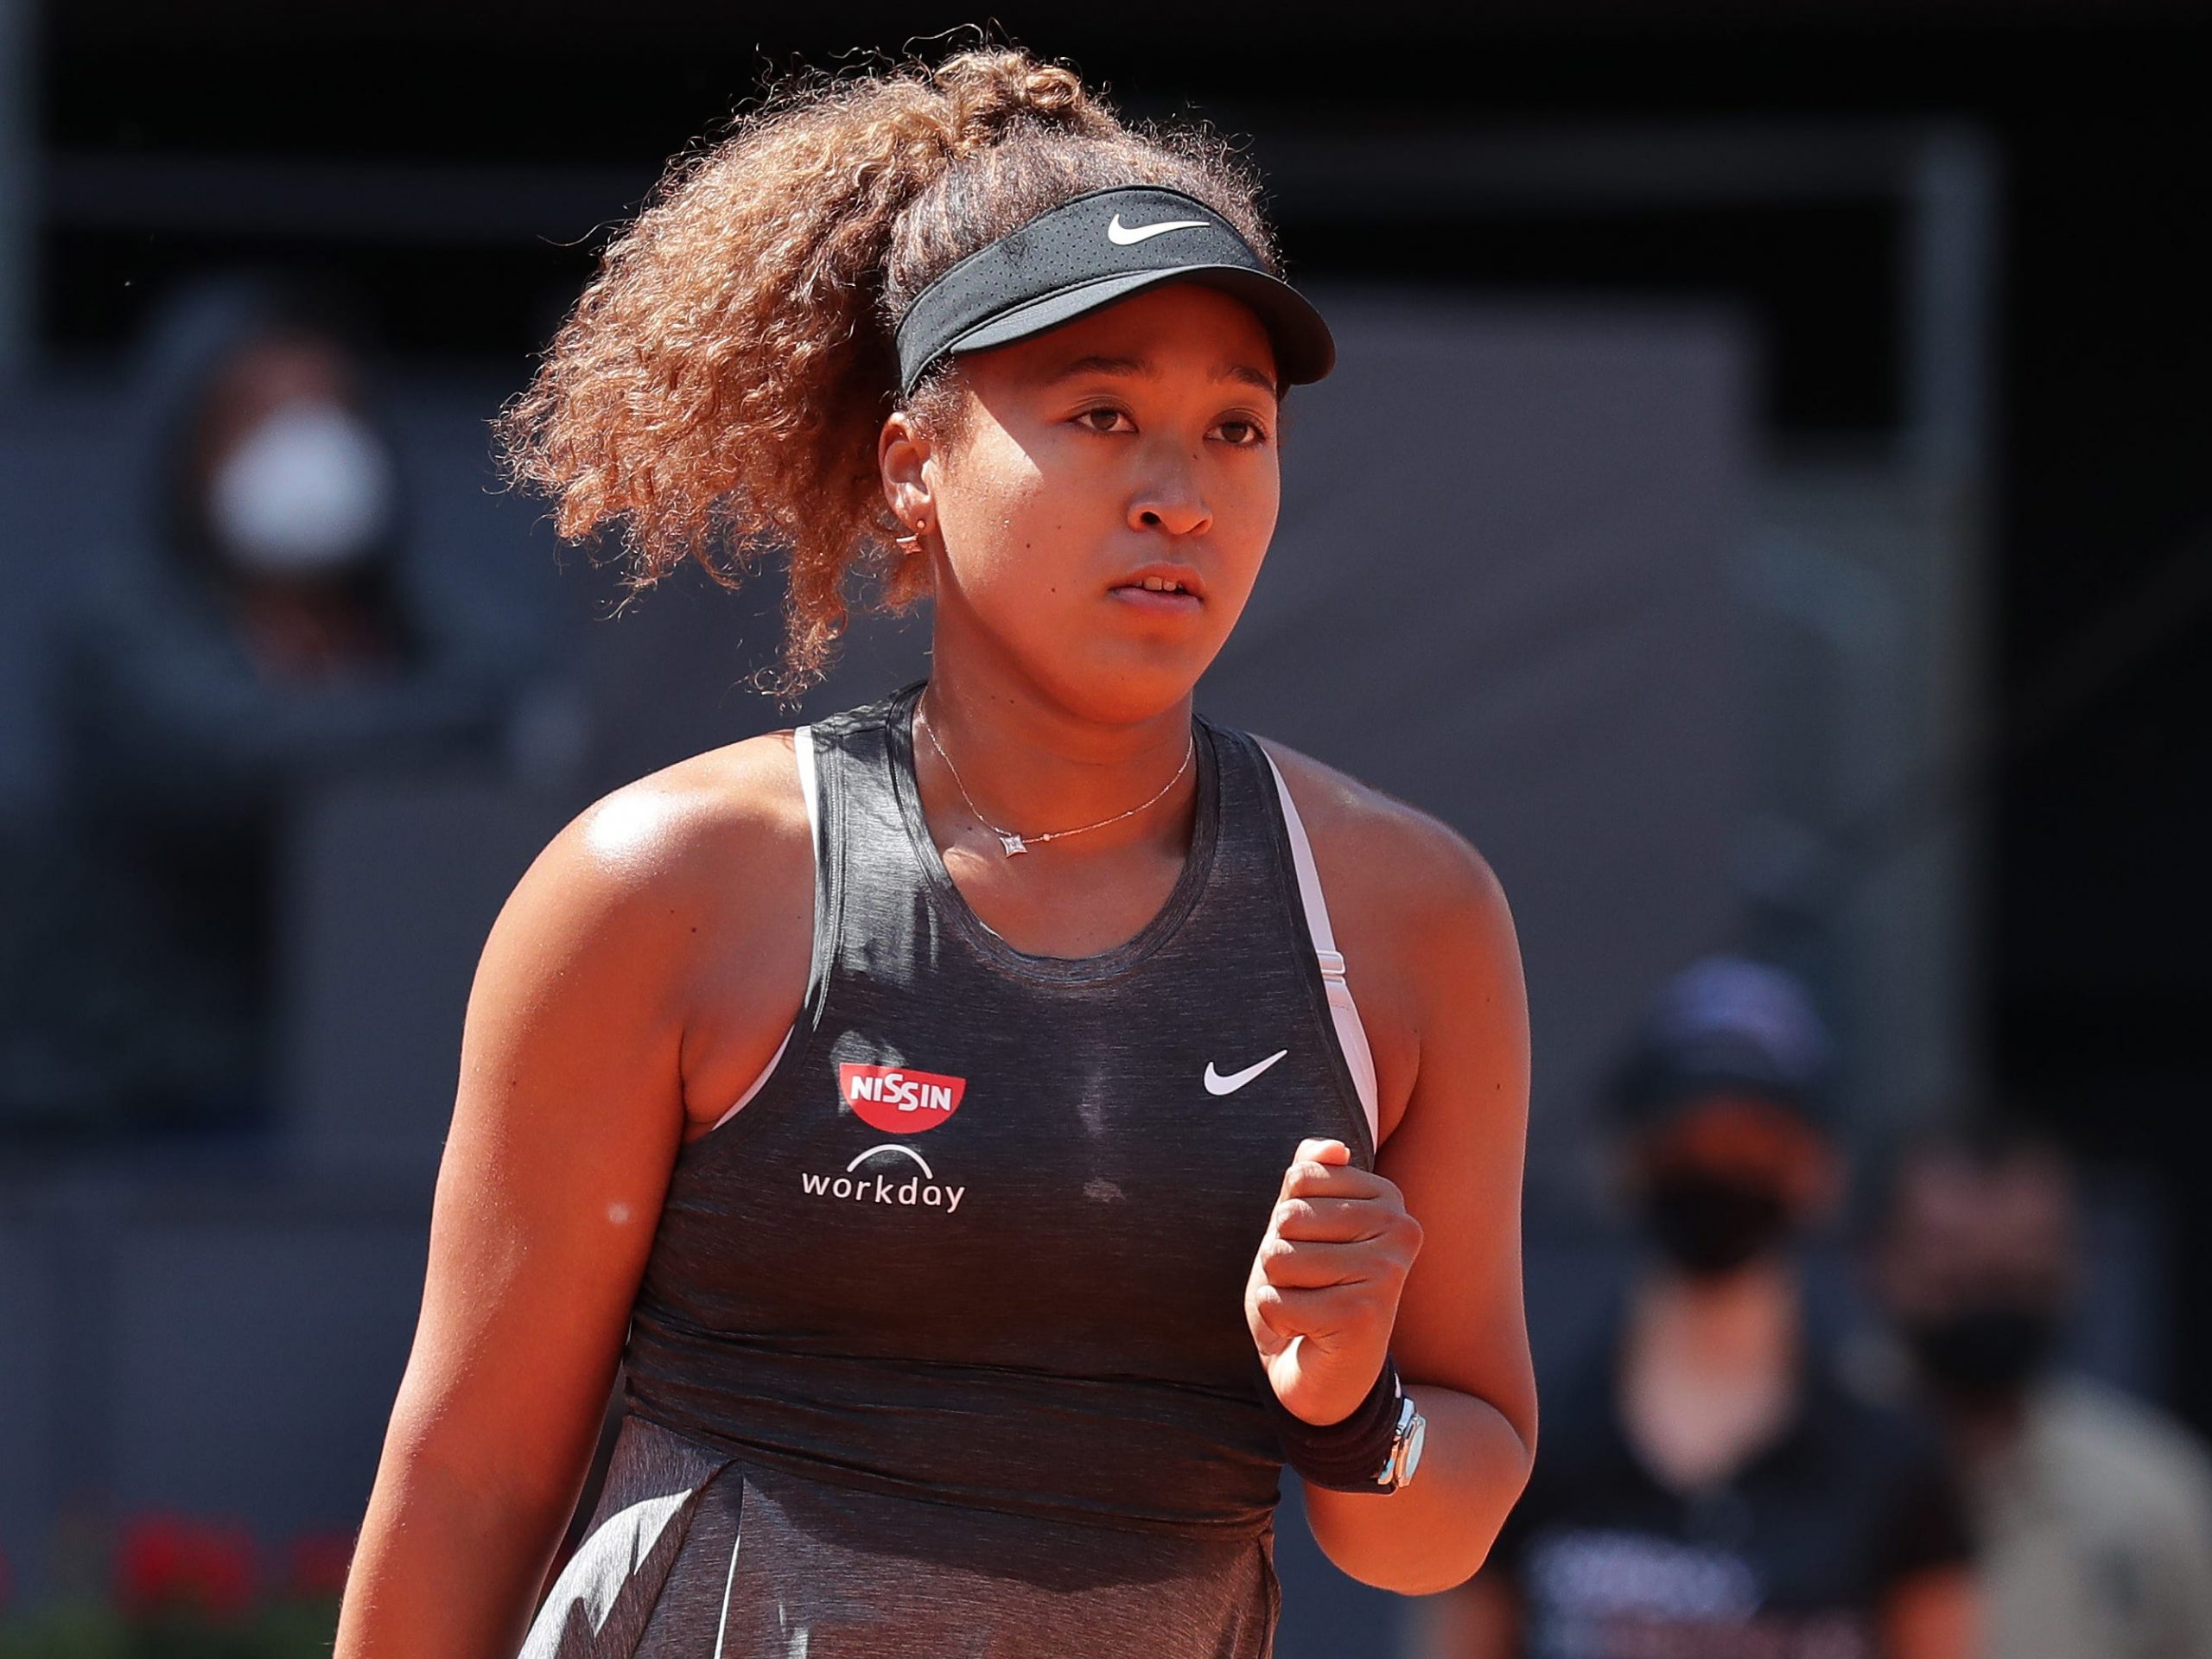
(1305, 349)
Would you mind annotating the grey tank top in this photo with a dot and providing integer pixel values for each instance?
(981, 1236)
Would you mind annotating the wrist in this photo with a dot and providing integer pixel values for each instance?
(1360, 1451)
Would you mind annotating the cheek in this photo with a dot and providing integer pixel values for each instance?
(1252, 508)
(1003, 548)
(1000, 507)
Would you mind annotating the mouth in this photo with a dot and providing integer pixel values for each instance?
(1164, 588)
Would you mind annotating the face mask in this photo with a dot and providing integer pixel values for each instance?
(306, 492)
(1710, 1225)
(1988, 1351)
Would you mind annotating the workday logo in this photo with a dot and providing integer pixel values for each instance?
(889, 1174)
(899, 1101)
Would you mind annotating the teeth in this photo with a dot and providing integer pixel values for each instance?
(1161, 585)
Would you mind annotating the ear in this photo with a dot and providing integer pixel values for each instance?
(902, 456)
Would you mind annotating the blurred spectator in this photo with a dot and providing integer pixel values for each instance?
(2094, 1511)
(1706, 1484)
(256, 626)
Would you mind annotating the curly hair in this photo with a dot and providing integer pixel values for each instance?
(718, 388)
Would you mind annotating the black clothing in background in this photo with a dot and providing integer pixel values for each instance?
(1791, 1558)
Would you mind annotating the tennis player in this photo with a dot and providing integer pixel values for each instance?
(996, 1128)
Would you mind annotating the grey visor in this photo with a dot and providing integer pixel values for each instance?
(1092, 250)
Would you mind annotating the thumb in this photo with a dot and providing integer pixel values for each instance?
(1314, 1150)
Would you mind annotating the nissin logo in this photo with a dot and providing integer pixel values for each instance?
(899, 1101)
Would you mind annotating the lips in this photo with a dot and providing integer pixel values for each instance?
(1174, 586)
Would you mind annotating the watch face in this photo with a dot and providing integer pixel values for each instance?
(1414, 1438)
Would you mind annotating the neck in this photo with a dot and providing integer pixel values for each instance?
(1743, 1322)
(1033, 765)
(1981, 1430)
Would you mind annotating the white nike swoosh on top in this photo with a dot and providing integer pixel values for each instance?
(1217, 1085)
(1121, 235)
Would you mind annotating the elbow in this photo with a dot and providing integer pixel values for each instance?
(1436, 1583)
(1421, 1558)
(1436, 1531)
(1444, 1564)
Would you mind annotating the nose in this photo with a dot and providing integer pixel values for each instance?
(1170, 497)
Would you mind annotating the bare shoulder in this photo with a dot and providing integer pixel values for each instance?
(688, 820)
(1428, 941)
(1423, 925)
(716, 842)
(1389, 857)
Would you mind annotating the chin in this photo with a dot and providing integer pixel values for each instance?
(1123, 688)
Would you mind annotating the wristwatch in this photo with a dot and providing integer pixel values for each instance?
(1405, 1445)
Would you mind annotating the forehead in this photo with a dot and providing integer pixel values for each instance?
(1180, 330)
(1953, 1197)
(277, 366)
(1728, 1121)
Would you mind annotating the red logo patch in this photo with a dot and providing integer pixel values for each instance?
(897, 1100)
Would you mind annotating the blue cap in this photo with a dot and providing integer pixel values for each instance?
(1728, 1025)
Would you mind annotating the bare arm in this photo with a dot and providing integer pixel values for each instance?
(569, 1112)
(1438, 931)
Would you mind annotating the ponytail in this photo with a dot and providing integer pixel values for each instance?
(718, 389)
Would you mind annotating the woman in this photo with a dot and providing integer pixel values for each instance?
(925, 1091)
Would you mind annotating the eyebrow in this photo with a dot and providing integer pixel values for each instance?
(1144, 367)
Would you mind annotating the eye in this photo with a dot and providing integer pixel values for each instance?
(1253, 435)
(1089, 415)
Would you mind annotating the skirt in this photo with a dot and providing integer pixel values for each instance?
(691, 1553)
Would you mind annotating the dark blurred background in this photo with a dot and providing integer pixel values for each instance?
(1877, 325)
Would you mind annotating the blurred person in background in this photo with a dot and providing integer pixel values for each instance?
(2093, 1511)
(256, 626)
(1707, 1484)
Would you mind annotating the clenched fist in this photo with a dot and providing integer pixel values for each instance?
(1325, 1281)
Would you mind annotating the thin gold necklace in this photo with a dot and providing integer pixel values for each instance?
(1013, 844)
